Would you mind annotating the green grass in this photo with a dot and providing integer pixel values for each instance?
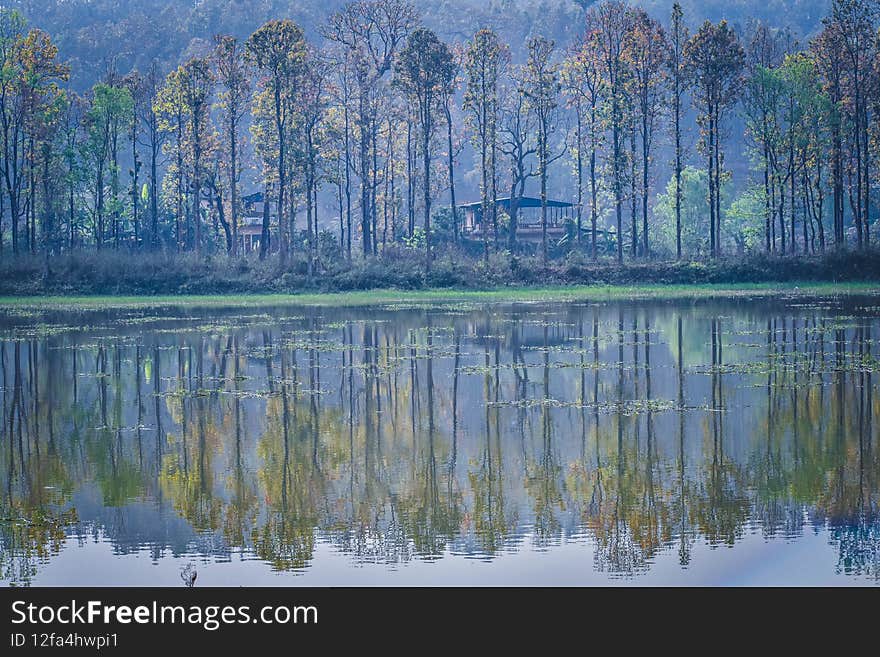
(386, 296)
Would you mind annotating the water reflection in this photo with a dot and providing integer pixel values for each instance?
(440, 432)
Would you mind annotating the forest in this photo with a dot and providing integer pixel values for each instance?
(386, 143)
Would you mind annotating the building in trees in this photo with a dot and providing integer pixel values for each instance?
(561, 220)
(253, 211)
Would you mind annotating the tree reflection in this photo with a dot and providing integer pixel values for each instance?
(413, 433)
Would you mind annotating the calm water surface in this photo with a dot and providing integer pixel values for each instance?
(686, 442)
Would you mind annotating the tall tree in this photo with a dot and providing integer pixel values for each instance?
(28, 86)
(171, 119)
(12, 116)
(196, 85)
(73, 165)
(424, 68)
(134, 82)
(117, 121)
(372, 31)
(278, 51)
(110, 106)
(39, 75)
(797, 77)
(233, 76)
(645, 50)
(715, 60)
(830, 60)
(611, 21)
(584, 69)
(342, 95)
(678, 37)
(854, 22)
(517, 143)
(485, 58)
(312, 105)
(152, 138)
(541, 87)
(447, 95)
(761, 102)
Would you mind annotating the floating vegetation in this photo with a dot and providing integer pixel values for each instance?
(624, 407)
(253, 432)
(470, 370)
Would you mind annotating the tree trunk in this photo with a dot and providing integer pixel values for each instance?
(645, 153)
(677, 113)
(580, 172)
(233, 184)
(542, 147)
(197, 187)
(364, 175)
(767, 218)
(154, 183)
(452, 205)
(791, 195)
(264, 234)
(135, 166)
(711, 176)
(114, 184)
(594, 210)
(347, 184)
(633, 200)
(283, 232)
(426, 139)
(484, 189)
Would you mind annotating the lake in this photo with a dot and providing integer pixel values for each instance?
(691, 441)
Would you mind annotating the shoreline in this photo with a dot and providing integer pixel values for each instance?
(384, 296)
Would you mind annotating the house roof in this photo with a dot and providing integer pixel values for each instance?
(256, 197)
(524, 202)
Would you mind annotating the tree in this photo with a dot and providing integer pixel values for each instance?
(28, 92)
(278, 51)
(422, 70)
(574, 100)
(152, 138)
(134, 82)
(715, 60)
(74, 170)
(342, 94)
(233, 99)
(116, 122)
(678, 37)
(518, 145)
(761, 101)
(611, 22)
(170, 118)
(828, 54)
(447, 95)
(110, 106)
(816, 138)
(853, 22)
(12, 26)
(485, 58)
(312, 101)
(43, 99)
(196, 84)
(645, 51)
(799, 92)
(541, 86)
(372, 32)
(584, 72)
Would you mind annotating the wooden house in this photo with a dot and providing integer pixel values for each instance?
(561, 218)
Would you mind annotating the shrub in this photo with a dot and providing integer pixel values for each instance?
(398, 266)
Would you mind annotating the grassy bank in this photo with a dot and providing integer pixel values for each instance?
(120, 274)
(521, 295)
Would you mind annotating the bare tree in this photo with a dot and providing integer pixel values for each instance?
(372, 32)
